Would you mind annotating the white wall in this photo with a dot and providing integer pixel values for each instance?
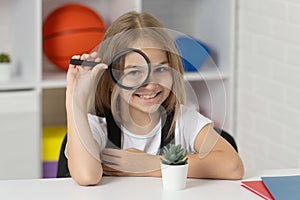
(5, 29)
(268, 86)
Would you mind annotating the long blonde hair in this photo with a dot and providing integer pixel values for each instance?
(120, 34)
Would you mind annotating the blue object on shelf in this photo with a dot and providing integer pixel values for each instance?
(193, 53)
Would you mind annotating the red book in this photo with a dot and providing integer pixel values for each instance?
(259, 188)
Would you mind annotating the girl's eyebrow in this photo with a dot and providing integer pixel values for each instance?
(130, 66)
(154, 64)
(161, 63)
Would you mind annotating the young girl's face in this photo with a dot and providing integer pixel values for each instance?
(155, 91)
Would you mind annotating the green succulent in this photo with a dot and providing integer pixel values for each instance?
(4, 58)
(174, 155)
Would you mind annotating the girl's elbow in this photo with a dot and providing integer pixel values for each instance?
(237, 171)
(86, 178)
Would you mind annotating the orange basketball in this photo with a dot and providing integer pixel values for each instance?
(70, 30)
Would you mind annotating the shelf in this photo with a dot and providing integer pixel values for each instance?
(57, 79)
(205, 76)
(17, 84)
(209, 71)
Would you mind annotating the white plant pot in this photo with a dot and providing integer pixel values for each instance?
(174, 176)
(5, 72)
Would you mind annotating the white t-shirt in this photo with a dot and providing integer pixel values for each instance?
(188, 124)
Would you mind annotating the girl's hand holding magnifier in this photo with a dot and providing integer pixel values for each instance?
(81, 80)
(83, 70)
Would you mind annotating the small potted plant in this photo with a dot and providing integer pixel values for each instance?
(174, 167)
(5, 67)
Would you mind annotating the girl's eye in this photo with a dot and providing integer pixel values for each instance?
(162, 68)
(136, 71)
(133, 73)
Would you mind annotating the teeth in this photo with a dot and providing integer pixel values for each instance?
(147, 96)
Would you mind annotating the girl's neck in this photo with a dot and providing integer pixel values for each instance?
(139, 122)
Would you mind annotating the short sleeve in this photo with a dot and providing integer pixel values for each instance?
(188, 125)
(99, 130)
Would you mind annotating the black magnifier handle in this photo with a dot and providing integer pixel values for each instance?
(83, 62)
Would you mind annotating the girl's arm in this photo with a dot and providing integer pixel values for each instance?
(216, 158)
(84, 168)
(82, 150)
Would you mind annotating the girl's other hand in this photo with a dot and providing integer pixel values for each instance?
(130, 162)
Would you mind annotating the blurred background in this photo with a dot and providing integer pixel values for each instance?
(248, 84)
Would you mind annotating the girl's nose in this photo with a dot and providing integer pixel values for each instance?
(151, 81)
(150, 85)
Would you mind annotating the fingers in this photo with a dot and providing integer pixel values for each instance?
(111, 156)
(85, 56)
(88, 57)
(110, 159)
(94, 55)
(112, 172)
(121, 153)
(91, 57)
(74, 57)
(115, 158)
(97, 59)
(113, 152)
(72, 68)
(98, 68)
(134, 150)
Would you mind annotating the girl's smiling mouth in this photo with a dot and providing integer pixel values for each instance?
(148, 96)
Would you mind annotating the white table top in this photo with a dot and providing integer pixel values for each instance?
(132, 188)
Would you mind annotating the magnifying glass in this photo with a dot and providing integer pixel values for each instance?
(128, 77)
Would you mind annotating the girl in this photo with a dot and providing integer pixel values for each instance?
(140, 121)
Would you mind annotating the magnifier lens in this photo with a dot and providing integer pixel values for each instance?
(130, 68)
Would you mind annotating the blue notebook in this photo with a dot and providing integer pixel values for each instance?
(283, 187)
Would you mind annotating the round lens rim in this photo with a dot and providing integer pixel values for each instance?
(122, 53)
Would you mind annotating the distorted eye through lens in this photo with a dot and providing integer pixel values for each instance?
(130, 68)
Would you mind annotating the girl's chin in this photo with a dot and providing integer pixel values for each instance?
(154, 108)
(148, 109)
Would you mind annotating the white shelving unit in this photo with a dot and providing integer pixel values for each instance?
(20, 98)
(35, 95)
